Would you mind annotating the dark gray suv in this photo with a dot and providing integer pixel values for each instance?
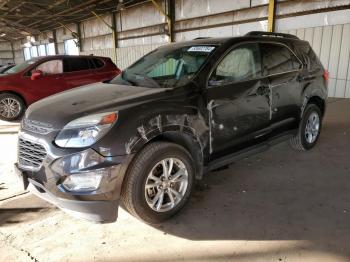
(177, 113)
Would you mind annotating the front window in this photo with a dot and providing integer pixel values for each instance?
(240, 64)
(166, 67)
(52, 67)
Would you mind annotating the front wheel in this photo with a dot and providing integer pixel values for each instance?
(158, 182)
(309, 129)
(12, 107)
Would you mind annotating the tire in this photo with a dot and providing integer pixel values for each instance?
(301, 141)
(136, 198)
(12, 107)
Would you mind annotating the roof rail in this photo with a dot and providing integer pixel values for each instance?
(262, 33)
(203, 37)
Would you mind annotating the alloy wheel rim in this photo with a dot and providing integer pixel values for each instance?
(312, 127)
(9, 108)
(166, 184)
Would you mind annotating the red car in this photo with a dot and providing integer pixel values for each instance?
(40, 77)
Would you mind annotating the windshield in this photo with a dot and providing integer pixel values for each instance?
(165, 67)
(20, 67)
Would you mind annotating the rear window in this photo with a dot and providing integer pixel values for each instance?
(73, 64)
(308, 56)
(278, 59)
(98, 63)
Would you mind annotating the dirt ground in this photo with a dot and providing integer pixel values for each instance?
(280, 205)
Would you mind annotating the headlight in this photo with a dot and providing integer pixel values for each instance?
(85, 131)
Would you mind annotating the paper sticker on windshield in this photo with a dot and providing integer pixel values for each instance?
(199, 48)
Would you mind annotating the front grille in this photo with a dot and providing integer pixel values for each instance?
(30, 154)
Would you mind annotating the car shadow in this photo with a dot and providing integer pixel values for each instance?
(276, 195)
(30, 208)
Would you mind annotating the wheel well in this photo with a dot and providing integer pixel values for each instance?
(319, 102)
(189, 143)
(14, 93)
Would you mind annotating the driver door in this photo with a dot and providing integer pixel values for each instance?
(238, 99)
(51, 82)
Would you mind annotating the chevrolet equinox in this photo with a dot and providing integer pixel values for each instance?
(145, 137)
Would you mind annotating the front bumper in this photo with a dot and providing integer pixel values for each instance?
(99, 208)
(96, 211)
(100, 205)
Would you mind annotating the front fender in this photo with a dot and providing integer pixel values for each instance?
(189, 131)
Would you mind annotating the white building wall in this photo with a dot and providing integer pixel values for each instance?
(332, 45)
(18, 51)
(125, 55)
(329, 35)
(96, 35)
(6, 55)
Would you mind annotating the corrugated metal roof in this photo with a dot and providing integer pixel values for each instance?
(23, 18)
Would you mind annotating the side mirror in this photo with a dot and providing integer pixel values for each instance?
(36, 74)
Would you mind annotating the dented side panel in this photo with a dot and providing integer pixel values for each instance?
(177, 111)
(237, 111)
(192, 125)
(286, 91)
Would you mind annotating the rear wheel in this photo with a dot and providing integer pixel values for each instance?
(309, 129)
(158, 182)
(12, 107)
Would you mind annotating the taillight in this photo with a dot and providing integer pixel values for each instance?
(326, 75)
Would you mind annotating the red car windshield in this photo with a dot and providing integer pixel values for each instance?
(20, 67)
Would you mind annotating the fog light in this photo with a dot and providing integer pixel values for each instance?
(84, 182)
(81, 172)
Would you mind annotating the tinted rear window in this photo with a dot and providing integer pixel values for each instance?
(308, 56)
(98, 63)
(278, 59)
(76, 64)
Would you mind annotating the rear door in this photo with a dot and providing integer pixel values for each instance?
(51, 82)
(78, 71)
(282, 68)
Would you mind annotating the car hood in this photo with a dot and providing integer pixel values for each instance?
(59, 109)
(7, 76)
